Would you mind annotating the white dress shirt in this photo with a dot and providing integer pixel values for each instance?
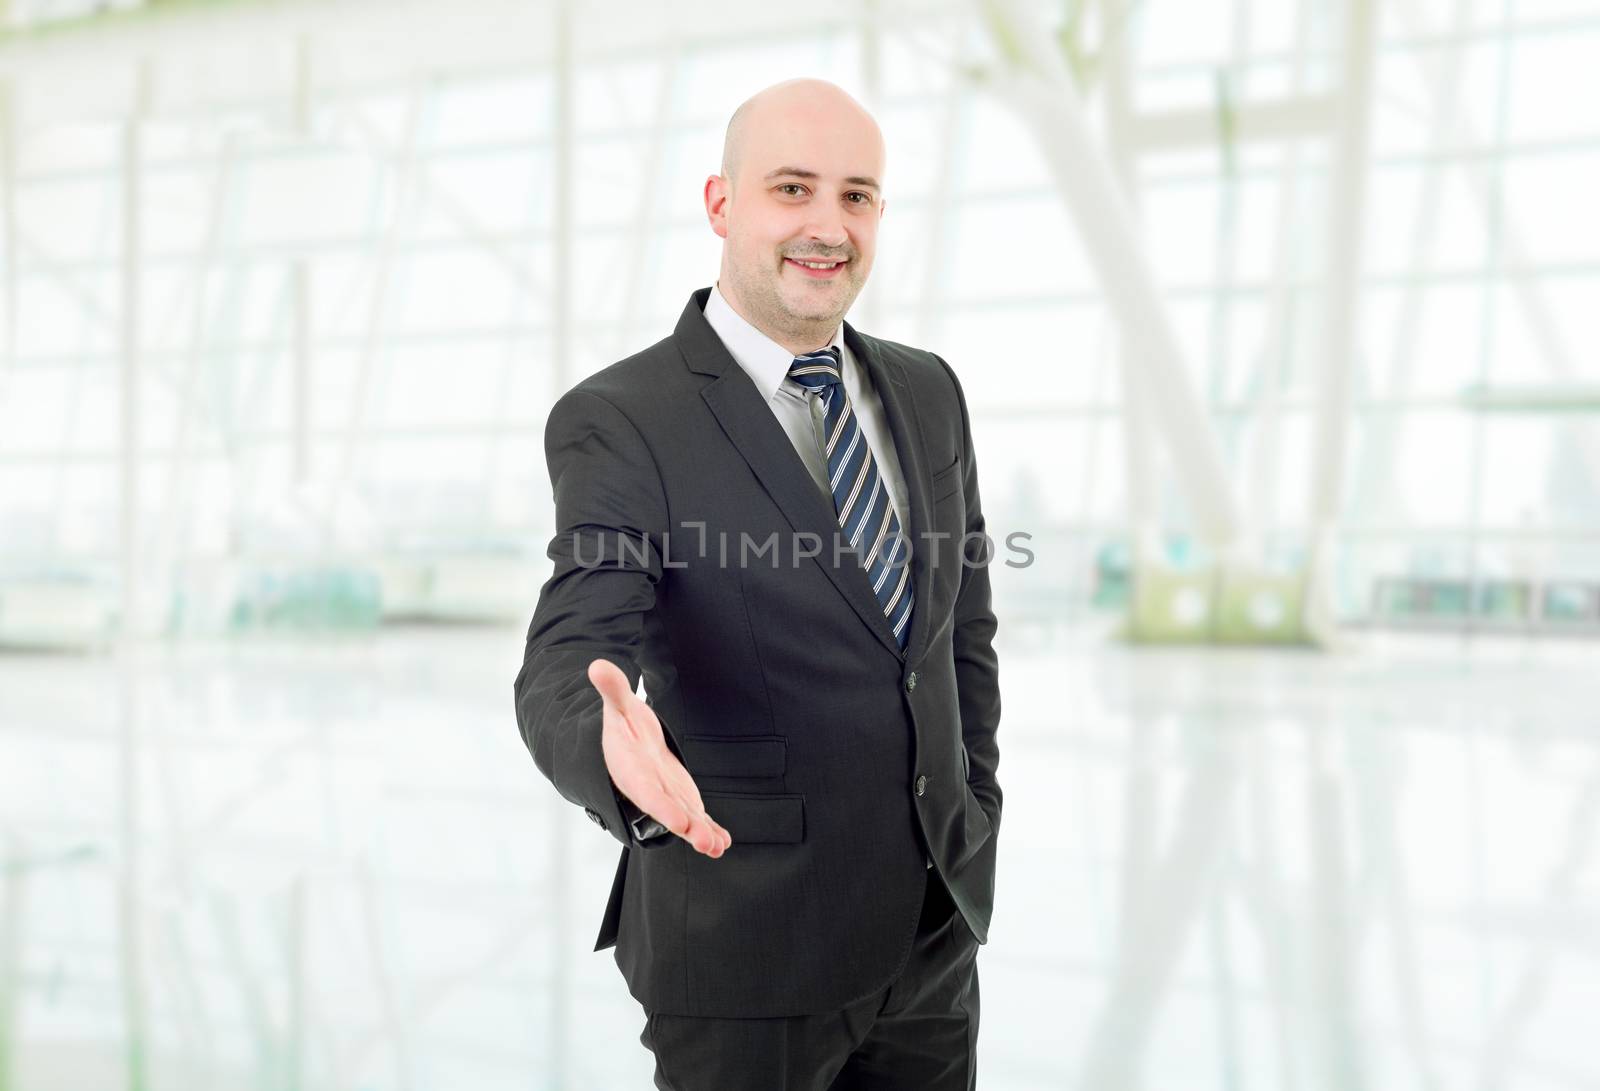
(767, 364)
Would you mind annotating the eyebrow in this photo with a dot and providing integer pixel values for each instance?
(801, 172)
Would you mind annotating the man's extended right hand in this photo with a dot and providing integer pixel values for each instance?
(644, 770)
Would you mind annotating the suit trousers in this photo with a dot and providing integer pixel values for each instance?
(920, 1033)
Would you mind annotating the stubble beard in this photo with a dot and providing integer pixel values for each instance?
(764, 296)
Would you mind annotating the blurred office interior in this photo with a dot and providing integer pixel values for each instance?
(1278, 323)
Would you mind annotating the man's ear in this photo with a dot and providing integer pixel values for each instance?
(716, 199)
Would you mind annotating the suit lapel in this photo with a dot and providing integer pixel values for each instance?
(751, 427)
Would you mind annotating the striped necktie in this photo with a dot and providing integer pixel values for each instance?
(859, 495)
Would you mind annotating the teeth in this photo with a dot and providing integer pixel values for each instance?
(815, 264)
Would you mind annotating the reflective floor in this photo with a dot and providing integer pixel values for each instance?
(295, 865)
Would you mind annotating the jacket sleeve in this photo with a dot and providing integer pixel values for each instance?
(974, 625)
(610, 513)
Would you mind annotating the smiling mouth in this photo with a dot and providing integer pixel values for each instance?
(818, 270)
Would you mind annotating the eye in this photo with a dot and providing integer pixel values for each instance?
(866, 198)
(792, 185)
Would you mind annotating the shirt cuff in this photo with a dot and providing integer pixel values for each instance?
(645, 830)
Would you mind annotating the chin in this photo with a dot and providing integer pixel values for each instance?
(812, 305)
(816, 314)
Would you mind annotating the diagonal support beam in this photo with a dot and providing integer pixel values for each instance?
(1037, 84)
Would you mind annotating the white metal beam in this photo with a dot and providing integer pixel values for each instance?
(1268, 122)
(130, 917)
(1138, 436)
(1038, 85)
(1341, 309)
(8, 236)
(300, 286)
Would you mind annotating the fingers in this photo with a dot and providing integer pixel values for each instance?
(707, 836)
(699, 829)
(608, 678)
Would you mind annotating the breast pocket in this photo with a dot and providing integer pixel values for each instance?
(947, 480)
(735, 755)
(947, 522)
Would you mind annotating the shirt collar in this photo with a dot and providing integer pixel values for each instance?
(763, 359)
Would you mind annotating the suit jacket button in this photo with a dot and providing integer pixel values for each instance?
(911, 681)
(922, 785)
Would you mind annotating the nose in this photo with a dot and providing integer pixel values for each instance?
(826, 225)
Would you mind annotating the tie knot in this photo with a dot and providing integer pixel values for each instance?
(817, 370)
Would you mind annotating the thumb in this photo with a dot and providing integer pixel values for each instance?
(608, 678)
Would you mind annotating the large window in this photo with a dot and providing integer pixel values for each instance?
(347, 322)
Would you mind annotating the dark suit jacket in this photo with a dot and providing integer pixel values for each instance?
(834, 761)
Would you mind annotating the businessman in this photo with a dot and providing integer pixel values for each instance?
(772, 519)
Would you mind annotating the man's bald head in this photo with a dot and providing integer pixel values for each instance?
(787, 102)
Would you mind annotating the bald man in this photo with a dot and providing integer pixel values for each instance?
(773, 521)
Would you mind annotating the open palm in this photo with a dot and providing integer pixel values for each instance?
(645, 770)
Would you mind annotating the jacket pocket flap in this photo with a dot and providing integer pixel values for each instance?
(758, 819)
(735, 755)
(947, 480)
